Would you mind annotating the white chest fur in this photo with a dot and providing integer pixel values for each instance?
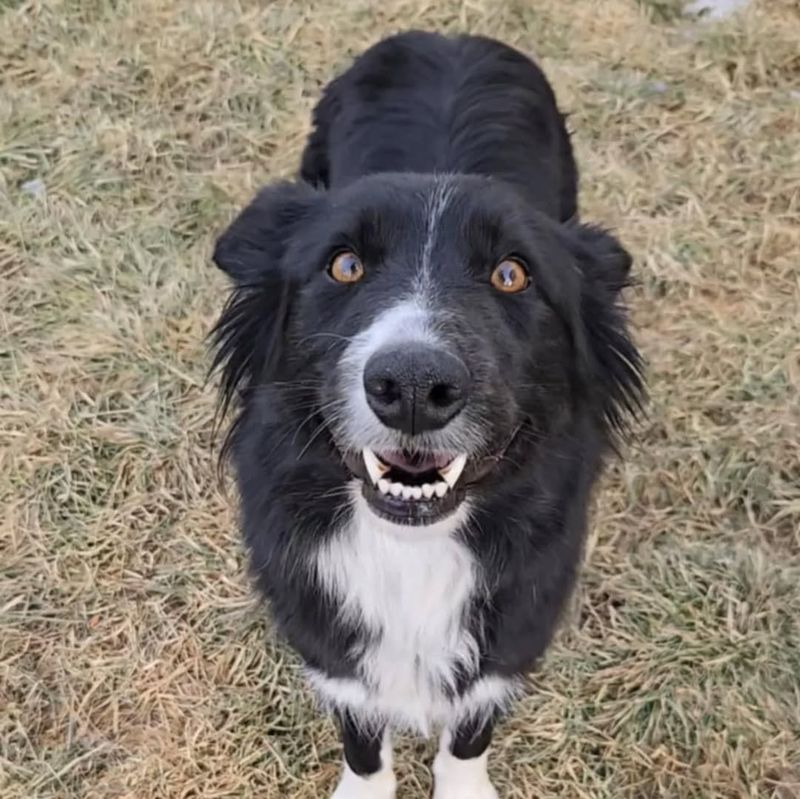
(409, 588)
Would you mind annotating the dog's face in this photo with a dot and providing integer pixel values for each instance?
(424, 324)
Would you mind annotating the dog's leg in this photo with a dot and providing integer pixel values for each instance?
(367, 769)
(459, 770)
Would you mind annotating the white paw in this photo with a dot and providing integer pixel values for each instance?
(461, 779)
(380, 785)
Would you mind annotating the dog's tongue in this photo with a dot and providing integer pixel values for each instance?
(415, 462)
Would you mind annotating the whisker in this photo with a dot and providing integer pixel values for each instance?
(322, 425)
(313, 413)
(326, 335)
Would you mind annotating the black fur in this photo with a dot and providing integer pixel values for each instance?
(419, 103)
(555, 362)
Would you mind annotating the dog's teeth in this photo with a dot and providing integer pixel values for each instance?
(452, 471)
(375, 468)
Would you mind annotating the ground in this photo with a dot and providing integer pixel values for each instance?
(134, 661)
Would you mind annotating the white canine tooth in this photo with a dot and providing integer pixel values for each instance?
(452, 471)
(396, 489)
(375, 468)
(408, 492)
(383, 485)
(416, 492)
(440, 489)
(427, 490)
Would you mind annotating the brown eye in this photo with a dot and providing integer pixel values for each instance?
(346, 267)
(510, 276)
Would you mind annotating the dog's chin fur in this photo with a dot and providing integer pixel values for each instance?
(432, 159)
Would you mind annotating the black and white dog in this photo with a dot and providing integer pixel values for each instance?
(430, 361)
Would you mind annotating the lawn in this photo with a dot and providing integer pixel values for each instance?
(134, 660)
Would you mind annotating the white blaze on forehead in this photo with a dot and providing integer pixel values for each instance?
(412, 319)
(438, 201)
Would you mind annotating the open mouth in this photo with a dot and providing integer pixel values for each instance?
(420, 487)
(414, 476)
(413, 487)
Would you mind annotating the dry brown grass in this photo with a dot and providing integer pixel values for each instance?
(133, 660)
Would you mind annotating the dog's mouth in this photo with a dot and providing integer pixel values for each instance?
(420, 487)
(409, 487)
(413, 476)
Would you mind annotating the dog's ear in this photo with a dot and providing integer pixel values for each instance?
(252, 247)
(601, 258)
(611, 366)
(249, 336)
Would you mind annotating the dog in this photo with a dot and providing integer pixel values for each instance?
(430, 362)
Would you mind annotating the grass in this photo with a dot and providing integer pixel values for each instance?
(133, 657)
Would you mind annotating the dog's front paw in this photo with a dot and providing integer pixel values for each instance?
(380, 785)
(462, 779)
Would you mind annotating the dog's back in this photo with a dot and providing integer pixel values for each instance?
(420, 102)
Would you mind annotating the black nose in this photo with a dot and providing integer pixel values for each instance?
(416, 388)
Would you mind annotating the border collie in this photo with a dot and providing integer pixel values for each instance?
(429, 359)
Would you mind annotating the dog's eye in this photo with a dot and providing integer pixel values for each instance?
(346, 267)
(510, 276)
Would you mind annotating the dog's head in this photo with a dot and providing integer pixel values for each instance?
(422, 325)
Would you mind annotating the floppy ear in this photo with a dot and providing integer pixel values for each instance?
(610, 363)
(601, 257)
(248, 338)
(252, 248)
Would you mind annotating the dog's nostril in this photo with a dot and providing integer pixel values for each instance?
(383, 388)
(443, 395)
